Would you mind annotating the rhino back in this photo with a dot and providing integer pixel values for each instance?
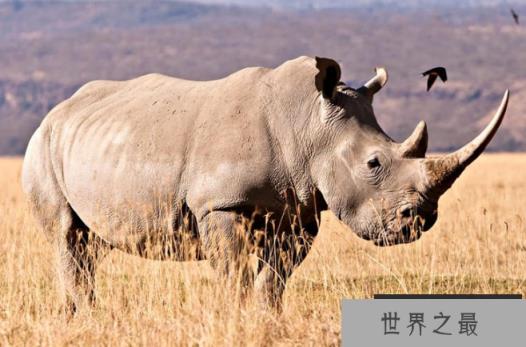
(126, 154)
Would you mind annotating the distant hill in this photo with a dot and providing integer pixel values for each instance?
(324, 4)
(51, 48)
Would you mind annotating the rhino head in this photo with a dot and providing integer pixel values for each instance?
(384, 191)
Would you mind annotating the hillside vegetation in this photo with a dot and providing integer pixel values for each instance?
(51, 48)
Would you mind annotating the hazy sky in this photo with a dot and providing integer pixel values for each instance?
(305, 4)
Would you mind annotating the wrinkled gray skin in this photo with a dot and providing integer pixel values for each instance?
(156, 160)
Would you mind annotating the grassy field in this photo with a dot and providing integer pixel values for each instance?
(477, 246)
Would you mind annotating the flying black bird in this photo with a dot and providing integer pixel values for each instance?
(515, 16)
(433, 73)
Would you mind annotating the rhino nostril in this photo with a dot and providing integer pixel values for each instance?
(406, 212)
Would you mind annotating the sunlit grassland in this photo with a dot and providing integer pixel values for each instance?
(477, 246)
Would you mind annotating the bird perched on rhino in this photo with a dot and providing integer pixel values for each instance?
(433, 74)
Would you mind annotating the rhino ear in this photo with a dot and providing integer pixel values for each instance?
(328, 76)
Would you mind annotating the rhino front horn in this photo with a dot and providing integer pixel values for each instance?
(444, 170)
(374, 84)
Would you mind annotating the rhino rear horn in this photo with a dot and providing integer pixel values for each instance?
(415, 146)
(328, 76)
(374, 84)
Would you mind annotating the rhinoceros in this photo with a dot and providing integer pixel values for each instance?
(228, 169)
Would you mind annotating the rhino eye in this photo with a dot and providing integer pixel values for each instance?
(373, 163)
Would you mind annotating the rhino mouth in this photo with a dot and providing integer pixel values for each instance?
(394, 233)
(406, 234)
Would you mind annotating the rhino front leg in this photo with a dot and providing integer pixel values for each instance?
(269, 287)
(280, 258)
(226, 243)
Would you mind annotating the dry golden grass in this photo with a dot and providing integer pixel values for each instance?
(477, 246)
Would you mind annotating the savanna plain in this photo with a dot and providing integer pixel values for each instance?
(477, 246)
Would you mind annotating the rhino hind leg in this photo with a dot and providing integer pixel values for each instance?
(79, 251)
